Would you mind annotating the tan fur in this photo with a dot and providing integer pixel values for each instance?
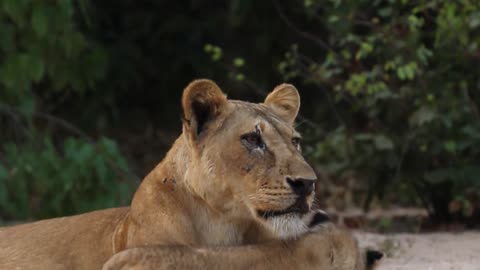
(207, 192)
(78, 242)
(285, 101)
(328, 249)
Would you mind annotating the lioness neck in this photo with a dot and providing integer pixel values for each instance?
(175, 165)
(175, 181)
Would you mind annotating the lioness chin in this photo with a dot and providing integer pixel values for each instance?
(234, 177)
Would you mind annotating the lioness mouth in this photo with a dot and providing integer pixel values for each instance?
(300, 207)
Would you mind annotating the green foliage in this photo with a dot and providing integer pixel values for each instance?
(390, 87)
(407, 103)
(41, 44)
(38, 181)
(43, 53)
(214, 51)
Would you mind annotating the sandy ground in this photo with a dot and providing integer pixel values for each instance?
(435, 251)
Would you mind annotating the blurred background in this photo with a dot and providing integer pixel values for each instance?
(90, 98)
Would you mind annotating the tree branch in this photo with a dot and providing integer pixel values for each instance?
(301, 33)
(72, 128)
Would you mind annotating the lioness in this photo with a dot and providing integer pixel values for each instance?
(235, 176)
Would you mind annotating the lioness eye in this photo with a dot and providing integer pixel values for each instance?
(252, 140)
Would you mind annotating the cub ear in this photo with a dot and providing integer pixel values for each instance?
(372, 258)
(285, 102)
(202, 101)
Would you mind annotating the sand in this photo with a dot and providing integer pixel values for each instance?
(434, 251)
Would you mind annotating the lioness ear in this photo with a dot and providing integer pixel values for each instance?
(372, 258)
(202, 101)
(285, 101)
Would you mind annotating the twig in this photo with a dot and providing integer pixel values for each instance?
(325, 92)
(251, 84)
(406, 145)
(473, 105)
(15, 119)
(65, 124)
(72, 128)
(301, 33)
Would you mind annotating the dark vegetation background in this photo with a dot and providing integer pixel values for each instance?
(90, 90)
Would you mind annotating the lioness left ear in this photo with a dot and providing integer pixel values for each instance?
(202, 101)
(285, 102)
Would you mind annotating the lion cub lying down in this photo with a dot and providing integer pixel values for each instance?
(234, 183)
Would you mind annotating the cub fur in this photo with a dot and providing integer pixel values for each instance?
(235, 176)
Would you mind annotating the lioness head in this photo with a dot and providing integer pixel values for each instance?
(247, 157)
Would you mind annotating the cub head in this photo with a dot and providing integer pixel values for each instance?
(246, 158)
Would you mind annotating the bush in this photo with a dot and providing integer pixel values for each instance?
(402, 80)
(394, 84)
(37, 181)
(42, 47)
(45, 58)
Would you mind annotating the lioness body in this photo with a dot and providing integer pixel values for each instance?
(234, 177)
(77, 242)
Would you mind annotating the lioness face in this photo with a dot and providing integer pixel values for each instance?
(251, 156)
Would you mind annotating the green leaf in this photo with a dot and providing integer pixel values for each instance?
(27, 106)
(333, 19)
(422, 116)
(363, 136)
(37, 68)
(424, 54)
(356, 82)
(101, 170)
(385, 12)
(7, 40)
(3, 186)
(382, 142)
(238, 62)
(15, 9)
(437, 176)
(40, 21)
(365, 49)
(208, 48)
(239, 77)
(450, 146)
(67, 7)
(401, 73)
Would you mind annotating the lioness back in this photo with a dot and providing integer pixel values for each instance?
(60, 243)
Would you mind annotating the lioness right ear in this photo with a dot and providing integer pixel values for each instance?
(202, 101)
(285, 102)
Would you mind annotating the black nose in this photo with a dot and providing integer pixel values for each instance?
(302, 187)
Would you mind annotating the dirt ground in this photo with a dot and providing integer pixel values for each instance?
(433, 251)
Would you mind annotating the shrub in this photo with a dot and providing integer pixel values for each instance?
(39, 181)
(402, 81)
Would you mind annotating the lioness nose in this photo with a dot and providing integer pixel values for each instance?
(300, 186)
